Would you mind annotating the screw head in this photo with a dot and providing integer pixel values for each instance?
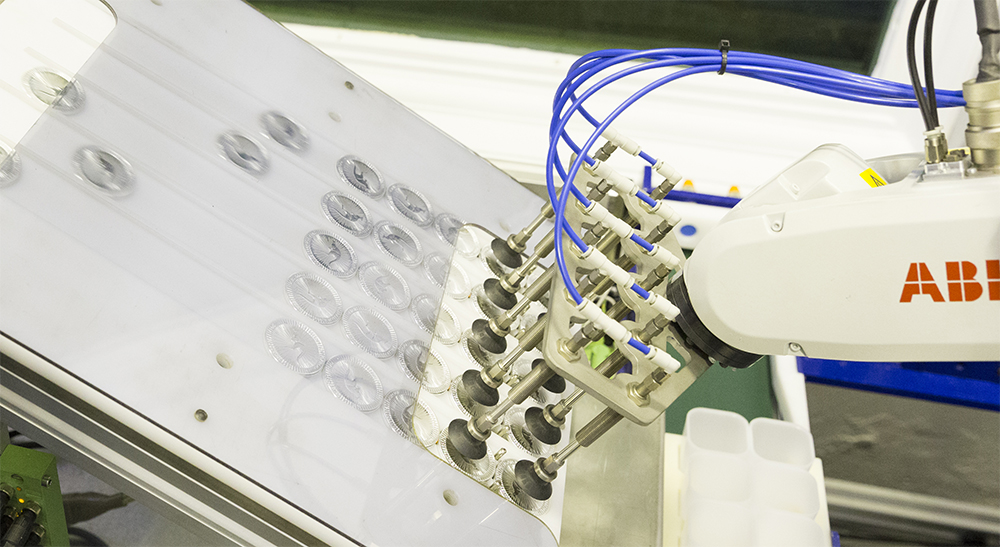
(794, 347)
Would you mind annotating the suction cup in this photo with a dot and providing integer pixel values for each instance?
(464, 442)
(498, 295)
(483, 335)
(505, 254)
(504, 480)
(529, 482)
(540, 428)
(481, 470)
(478, 390)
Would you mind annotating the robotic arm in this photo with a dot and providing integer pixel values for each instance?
(836, 257)
(830, 260)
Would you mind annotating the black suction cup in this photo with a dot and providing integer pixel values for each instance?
(540, 428)
(478, 390)
(555, 384)
(482, 334)
(505, 254)
(498, 295)
(529, 482)
(464, 442)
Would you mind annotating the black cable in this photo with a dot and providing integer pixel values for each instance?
(89, 538)
(83, 506)
(911, 62)
(26, 444)
(932, 109)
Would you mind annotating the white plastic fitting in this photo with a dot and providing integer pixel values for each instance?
(592, 312)
(663, 360)
(621, 141)
(663, 211)
(612, 328)
(622, 184)
(621, 228)
(596, 259)
(601, 214)
(663, 306)
(667, 171)
(663, 256)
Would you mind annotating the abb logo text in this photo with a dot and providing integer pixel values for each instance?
(961, 282)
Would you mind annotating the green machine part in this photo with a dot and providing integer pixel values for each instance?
(31, 480)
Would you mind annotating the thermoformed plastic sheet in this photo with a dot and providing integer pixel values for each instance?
(138, 292)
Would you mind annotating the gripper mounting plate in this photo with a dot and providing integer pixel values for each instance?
(613, 392)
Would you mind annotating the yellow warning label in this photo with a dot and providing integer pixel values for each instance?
(871, 177)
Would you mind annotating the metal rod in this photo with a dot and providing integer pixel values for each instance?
(526, 343)
(518, 241)
(528, 385)
(594, 429)
(541, 286)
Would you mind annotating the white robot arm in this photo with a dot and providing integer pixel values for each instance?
(829, 260)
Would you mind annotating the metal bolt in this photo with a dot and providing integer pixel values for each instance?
(566, 351)
(46, 481)
(794, 347)
(200, 415)
(348, 85)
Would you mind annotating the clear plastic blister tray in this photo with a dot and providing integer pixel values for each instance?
(186, 172)
(469, 271)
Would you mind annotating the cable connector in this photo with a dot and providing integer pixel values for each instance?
(935, 145)
(622, 184)
(621, 141)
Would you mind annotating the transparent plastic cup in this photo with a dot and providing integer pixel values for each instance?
(719, 476)
(708, 429)
(786, 488)
(781, 529)
(712, 523)
(782, 442)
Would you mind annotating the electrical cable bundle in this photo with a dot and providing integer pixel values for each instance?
(688, 61)
(927, 102)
